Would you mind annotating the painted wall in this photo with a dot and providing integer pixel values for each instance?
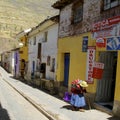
(117, 89)
(33, 52)
(73, 45)
(49, 48)
(92, 12)
(16, 63)
(24, 49)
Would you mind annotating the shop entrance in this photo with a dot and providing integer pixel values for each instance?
(106, 85)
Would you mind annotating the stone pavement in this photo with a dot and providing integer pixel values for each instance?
(51, 106)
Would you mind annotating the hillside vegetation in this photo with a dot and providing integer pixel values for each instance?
(18, 15)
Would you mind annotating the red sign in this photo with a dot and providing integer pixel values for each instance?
(98, 70)
(101, 42)
(105, 24)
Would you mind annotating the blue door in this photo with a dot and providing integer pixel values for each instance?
(66, 68)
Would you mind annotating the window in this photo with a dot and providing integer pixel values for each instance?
(110, 4)
(45, 37)
(77, 12)
(34, 43)
(52, 67)
(48, 60)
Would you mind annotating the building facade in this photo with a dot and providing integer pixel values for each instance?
(43, 50)
(88, 37)
(23, 53)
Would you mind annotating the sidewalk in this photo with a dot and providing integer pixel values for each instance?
(53, 107)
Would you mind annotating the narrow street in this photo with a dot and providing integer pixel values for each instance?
(14, 97)
(15, 107)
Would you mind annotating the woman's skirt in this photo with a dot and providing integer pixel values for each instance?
(77, 100)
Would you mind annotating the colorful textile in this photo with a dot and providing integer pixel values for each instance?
(77, 100)
(76, 84)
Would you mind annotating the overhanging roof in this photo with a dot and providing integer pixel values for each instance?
(62, 3)
(43, 25)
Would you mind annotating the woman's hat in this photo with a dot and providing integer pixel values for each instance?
(83, 84)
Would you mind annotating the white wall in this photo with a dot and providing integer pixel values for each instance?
(48, 48)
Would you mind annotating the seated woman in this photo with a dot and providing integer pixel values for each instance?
(77, 98)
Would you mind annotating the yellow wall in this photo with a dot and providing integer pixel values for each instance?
(117, 89)
(24, 55)
(77, 68)
(73, 45)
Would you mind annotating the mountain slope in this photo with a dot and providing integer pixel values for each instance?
(17, 15)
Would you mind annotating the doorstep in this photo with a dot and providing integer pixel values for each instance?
(102, 108)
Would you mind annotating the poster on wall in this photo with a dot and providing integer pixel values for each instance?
(85, 44)
(113, 43)
(90, 61)
(98, 70)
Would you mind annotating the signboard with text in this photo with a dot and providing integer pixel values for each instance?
(113, 43)
(101, 42)
(90, 61)
(105, 24)
(106, 28)
(85, 44)
(97, 70)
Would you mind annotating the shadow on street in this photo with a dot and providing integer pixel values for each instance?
(113, 118)
(3, 114)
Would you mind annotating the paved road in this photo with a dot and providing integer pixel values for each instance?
(58, 109)
(15, 106)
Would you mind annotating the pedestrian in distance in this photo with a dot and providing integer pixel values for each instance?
(78, 88)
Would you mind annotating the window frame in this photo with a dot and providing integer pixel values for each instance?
(109, 4)
(77, 9)
(45, 36)
(34, 40)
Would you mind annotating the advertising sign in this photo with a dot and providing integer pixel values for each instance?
(90, 61)
(112, 31)
(113, 43)
(105, 24)
(97, 70)
(101, 42)
(85, 44)
(106, 28)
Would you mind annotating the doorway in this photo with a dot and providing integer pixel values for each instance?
(66, 68)
(106, 85)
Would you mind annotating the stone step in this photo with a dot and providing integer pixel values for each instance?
(102, 108)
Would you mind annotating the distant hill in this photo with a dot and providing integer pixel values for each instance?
(18, 15)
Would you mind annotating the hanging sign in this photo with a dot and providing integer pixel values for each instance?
(101, 42)
(97, 70)
(113, 43)
(90, 61)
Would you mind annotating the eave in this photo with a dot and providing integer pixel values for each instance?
(43, 25)
(61, 3)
